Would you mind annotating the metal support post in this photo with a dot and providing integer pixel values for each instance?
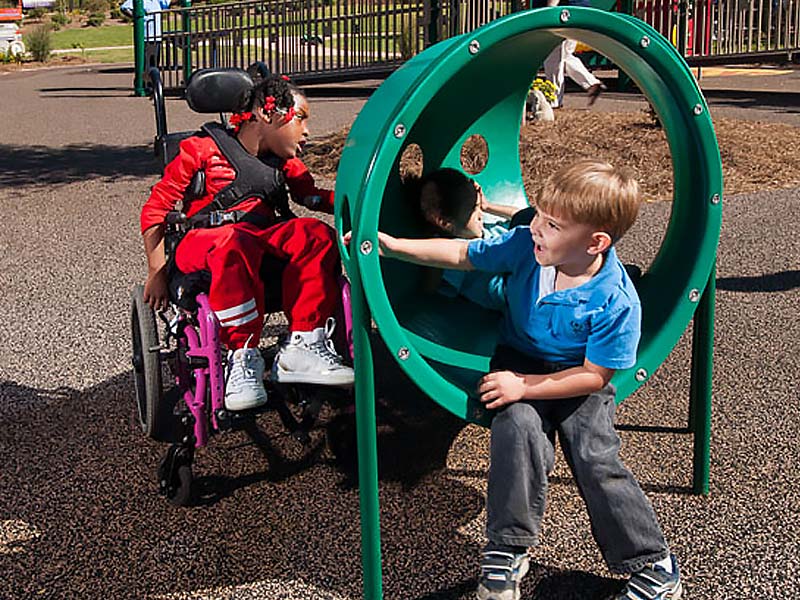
(366, 434)
(187, 41)
(138, 48)
(683, 26)
(701, 385)
(434, 16)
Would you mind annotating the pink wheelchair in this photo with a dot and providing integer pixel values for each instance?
(178, 361)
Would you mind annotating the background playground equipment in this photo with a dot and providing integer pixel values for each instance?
(357, 39)
(423, 103)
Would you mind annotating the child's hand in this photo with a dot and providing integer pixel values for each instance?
(385, 244)
(482, 201)
(156, 290)
(500, 388)
(384, 241)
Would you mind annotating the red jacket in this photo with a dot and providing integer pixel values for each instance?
(200, 152)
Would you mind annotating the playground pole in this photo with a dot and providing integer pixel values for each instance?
(138, 48)
(701, 384)
(433, 36)
(187, 40)
(366, 433)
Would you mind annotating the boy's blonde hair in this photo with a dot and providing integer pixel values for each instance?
(593, 192)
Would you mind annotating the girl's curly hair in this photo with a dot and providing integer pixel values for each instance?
(279, 87)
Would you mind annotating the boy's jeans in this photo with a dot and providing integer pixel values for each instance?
(623, 522)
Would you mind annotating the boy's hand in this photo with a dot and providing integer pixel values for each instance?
(500, 388)
(156, 291)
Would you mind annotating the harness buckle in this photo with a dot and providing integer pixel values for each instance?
(218, 217)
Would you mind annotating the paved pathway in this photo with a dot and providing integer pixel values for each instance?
(79, 516)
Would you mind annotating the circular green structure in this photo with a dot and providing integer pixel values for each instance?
(476, 84)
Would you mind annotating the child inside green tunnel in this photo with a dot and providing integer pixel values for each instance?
(452, 205)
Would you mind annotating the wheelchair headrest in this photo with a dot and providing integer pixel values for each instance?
(219, 90)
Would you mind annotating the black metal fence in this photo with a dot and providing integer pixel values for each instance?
(334, 40)
(311, 40)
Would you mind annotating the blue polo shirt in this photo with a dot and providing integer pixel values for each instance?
(599, 320)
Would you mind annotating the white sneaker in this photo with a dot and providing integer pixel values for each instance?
(309, 357)
(245, 385)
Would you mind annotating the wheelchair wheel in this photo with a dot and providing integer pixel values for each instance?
(155, 416)
(175, 475)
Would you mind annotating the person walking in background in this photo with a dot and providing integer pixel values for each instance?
(562, 62)
(152, 26)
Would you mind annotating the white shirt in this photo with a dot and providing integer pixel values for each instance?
(152, 20)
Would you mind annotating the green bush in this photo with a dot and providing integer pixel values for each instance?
(96, 19)
(91, 7)
(115, 13)
(37, 13)
(39, 42)
(58, 19)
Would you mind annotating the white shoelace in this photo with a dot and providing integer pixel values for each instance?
(324, 348)
(245, 372)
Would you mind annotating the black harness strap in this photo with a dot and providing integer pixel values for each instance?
(255, 178)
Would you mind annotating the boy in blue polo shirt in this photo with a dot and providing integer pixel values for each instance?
(573, 318)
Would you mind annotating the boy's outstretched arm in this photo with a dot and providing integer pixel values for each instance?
(433, 252)
(504, 387)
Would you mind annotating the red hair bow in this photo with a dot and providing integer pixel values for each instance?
(237, 119)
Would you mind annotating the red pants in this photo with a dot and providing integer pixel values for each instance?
(233, 255)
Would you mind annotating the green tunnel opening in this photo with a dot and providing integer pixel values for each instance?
(477, 84)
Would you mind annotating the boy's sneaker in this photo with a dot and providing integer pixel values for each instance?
(653, 583)
(309, 357)
(501, 573)
(244, 387)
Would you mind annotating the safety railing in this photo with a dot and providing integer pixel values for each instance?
(727, 31)
(311, 40)
(335, 40)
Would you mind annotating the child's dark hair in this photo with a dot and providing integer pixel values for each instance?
(445, 195)
(279, 87)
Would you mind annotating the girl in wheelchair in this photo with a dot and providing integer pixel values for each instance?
(237, 217)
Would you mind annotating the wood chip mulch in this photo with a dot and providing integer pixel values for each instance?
(756, 156)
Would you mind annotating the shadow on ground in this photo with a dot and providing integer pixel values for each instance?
(769, 282)
(44, 165)
(78, 499)
(785, 102)
(79, 481)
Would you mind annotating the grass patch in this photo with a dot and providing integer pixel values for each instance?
(94, 37)
(104, 56)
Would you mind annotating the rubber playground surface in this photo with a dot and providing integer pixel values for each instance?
(80, 516)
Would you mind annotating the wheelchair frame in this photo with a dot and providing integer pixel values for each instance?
(187, 414)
